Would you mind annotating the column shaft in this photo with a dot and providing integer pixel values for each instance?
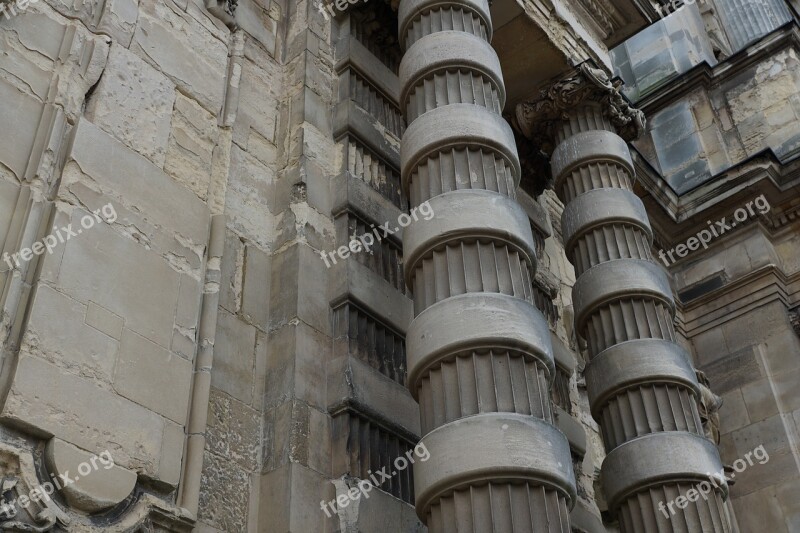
(642, 387)
(479, 354)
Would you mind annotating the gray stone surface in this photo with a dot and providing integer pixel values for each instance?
(133, 102)
(167, 36)
(103, 485)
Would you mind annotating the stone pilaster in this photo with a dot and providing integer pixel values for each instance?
(642, 388)
(479, 353)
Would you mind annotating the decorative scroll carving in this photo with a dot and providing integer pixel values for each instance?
(587, 84)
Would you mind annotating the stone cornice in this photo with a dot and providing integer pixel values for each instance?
(736, 298)
(535, 118)
(674, 216)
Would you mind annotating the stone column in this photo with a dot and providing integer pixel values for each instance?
(642, 388)
(479, 353)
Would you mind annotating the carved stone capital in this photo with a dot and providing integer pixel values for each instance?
(535, 118)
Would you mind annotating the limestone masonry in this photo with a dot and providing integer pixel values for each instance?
(397, 266)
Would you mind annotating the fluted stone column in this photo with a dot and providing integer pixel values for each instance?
(479, 354)
(642, 388)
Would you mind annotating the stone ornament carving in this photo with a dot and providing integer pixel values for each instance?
(794, 319)
(14, 518)
(18, 485)
(225, 10)
(587, 84)
(710, 405)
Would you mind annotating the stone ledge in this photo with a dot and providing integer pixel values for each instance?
(572, 429)
(354, 385)
(357, 57)
(104, 487)
(353, 281)
(349, 117)
(349, 193)
(584, 520)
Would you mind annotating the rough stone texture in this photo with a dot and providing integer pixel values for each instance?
(234, 431)
(167, 36)
(133, 102)
(192, 140)
(224, 499)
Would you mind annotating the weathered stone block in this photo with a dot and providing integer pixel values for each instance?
(231, 273)
(173, 222)
(57, 332)
(78, 411)
(256, 288)
(300, 266)
(104, 321)
(191, 144)
(296, 433)
(23, 111)
(759, 399)
(98, 483)
(289, 488)
(294, 366)
(169, 38)
(123, 277)
(133, 102)
(733, 413)
(249, 198)
(151, 376)
(234, 357)
(234, 430)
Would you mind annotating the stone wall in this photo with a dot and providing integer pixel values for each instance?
(158, 112)
(750, 106)
(741, 334)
